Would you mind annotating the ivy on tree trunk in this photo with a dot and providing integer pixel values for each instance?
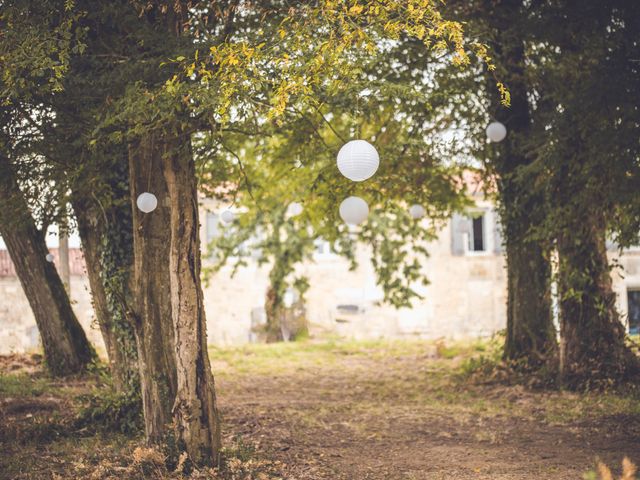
(530, 339)
(106, 233)
(592, 346)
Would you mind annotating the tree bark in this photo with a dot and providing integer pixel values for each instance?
(592, 346)
(151, 306)
(197, 424)
(89, 228)
(273, 312)
(530, 332)
(530, 339)
(107, 244)
(63, 255)
(66, 348)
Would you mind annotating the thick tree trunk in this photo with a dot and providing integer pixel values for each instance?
(107, 243)
(592, 346)
(530, 332)
(530, 338)
(66, 348)
(151, 312)
(273, 312)
(195, 412)
(90, 232)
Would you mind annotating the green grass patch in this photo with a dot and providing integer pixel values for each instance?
(284, 357)
(23, 385)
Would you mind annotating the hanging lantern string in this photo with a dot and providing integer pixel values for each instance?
(358, 117)
(355, 127)
(150, 167)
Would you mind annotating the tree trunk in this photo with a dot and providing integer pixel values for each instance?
(592, 347)
(151, 307)
(195, 412)
(530, 338)
(63, 256)
(530, 332)
(107, 244)
(66, 348)
(273, 312)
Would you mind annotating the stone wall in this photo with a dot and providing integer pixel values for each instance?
(466, 296)
(18, 331)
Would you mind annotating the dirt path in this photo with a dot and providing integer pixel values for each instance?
(393, 418)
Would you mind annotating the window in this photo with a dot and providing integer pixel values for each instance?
(475, 233)
(633, 308)
(348, 309)
(476, 236)
(322, 247)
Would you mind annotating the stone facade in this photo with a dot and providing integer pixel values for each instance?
(466, 296)
(18, 331)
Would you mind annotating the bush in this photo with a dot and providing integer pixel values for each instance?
(112, 411)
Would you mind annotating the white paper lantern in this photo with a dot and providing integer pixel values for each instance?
(227, 216)
(354, 210)
(417, 211)
(147, 202)
(49, 258)
(294, 209)
(496, 132)
(358, 160)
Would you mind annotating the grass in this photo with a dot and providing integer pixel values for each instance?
(281, 358)
(438, 376)
(23, 385)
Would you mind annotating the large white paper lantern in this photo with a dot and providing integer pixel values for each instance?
(147, 202)
(49, 258)
(227, 216)
(417, 211)
(294, 209)
(496, 132)
(358, 160)
(354, 210)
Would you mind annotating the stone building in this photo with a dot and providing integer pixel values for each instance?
(466, 295)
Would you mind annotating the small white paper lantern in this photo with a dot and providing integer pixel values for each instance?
(417, 211)
(354, 210)
(227, 216)
(147, 202)
(49, 258)
(294, 209)
(358, 160)
(496, 132)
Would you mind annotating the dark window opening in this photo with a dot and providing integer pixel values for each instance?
(351, 309)
(477, 240)
(633, 305)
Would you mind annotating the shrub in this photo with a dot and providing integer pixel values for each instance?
(113, 411)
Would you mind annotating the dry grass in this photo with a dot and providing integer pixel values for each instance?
(629, 471)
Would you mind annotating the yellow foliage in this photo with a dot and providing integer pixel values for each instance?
(628, 470)
(315, 45)
(505, 96)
